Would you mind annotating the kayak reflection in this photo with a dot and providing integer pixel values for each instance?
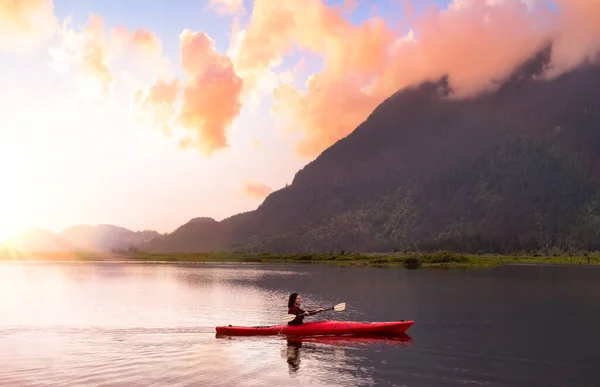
(352, 340)
(293, 354)
(296, 345)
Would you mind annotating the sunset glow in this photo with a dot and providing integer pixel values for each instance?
(205, 108)
(16, 195)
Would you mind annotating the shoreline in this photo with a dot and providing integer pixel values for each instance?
(441, 259)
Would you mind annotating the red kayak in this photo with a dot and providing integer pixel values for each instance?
(319, 328)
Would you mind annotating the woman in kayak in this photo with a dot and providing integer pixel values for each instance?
(294, 308)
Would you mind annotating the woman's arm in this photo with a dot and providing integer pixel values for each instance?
(308, 313)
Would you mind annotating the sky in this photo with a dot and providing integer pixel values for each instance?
(145, 114)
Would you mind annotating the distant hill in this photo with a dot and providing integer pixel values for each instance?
(199, 234)
(102, 237)
(515, 169)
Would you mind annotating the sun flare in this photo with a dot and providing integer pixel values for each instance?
(15, 196)
(11, 223)
(9, 220)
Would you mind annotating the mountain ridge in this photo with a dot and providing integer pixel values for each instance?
(509, 169)
(82, 237)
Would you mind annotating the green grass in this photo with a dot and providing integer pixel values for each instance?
(441, 259)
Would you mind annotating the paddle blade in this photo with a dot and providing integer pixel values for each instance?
(288, 317)
(340, 307)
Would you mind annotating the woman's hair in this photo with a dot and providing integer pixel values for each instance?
(292, 299)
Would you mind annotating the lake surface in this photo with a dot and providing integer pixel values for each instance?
(82, 324)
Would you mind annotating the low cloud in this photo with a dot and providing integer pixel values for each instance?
(257, 190)
(328, 111)
(578, 34)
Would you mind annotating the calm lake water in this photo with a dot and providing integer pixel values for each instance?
(75, 324)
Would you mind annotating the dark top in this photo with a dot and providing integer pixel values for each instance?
(300, 315)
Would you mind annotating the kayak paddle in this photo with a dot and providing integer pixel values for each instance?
(338, 308)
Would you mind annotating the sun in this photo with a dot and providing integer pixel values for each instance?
(8, 230)
(15, 195)
(38, 141)
(11, 220)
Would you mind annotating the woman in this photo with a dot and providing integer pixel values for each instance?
(294, 308)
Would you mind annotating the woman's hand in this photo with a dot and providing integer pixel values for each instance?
(320, 310)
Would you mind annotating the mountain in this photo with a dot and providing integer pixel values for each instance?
(102, 237)
(106, 237)
(199, 234)
(509, 170)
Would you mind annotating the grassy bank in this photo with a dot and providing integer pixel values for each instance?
(406, 260)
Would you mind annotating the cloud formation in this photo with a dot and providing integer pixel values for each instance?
(26, 24)
(91, 51)
(94, 56)
(331, 108)
(476, 43)
(259, 82)
(276, 26)
(257, 190)
(211, 95)
(578, 34)
(156, 106)
(141, 42)
(203, 104)
(227, 6)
